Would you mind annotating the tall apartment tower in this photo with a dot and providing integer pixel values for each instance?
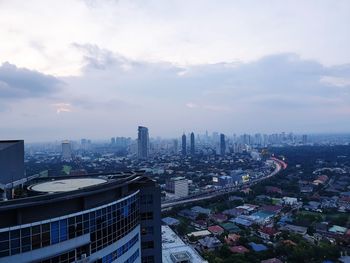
(304, 138)
(143, 142)
(184, 147)
(192, 144)
(222, 144)
(11, 163)
(66, 150)
(175, 146)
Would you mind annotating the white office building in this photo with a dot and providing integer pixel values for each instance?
(178, 186)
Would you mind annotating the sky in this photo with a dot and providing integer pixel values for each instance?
(96, 69)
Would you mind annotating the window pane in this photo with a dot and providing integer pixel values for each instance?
(54, 232)
(63, 230)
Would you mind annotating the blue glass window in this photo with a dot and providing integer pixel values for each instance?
(63, 230)
(55, 232)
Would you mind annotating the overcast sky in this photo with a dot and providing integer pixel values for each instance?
(96, 69)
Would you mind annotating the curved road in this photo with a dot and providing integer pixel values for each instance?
(203, 196)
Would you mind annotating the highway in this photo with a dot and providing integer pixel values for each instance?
(279, 165)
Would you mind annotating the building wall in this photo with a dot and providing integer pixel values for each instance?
(11, 161)
(143, 142)
(151, 243)
(181, 188)
(108, 233)
(66, 150)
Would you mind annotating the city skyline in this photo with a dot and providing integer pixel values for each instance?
(235, 76)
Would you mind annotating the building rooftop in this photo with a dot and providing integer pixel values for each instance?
(170, 221)
(200, 233)
(66, 185)
(216, 229)
(239, 249)
(257, 247)
(52, 189)
(173, 248)
(8, 143)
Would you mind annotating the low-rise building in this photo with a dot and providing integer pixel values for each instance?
(232, 239)
(201, 210)
(209, 243)
(219, 218)
(290, 200)
(239, 249)
(174, 250)
(339, 230)
(216, 230)
(177, 186)
(230, 227)
(201, 233)
(257, 247)
(268, 233)
(295, 229)
(170, 221)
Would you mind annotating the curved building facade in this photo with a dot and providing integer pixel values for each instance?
(90, 219)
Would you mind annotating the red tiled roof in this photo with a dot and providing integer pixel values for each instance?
(269, 231)
(271, 208)
(232, 238)
(215, 229)
(239, 249)
(221, 217)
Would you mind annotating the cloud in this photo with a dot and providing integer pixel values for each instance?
(272, 83)
(191, 105)
(21, 83)
(336, 81)
(62, 107)
(169, 31)
(274, 93)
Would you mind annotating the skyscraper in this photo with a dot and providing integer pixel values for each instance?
(175, 146)
(143, 142)
(184, 149)
(304, 138)
(95, 218)
(66, 150)
(11, 165)
(192, 144)
(222, 144)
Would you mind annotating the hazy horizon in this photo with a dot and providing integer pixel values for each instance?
(96, 69)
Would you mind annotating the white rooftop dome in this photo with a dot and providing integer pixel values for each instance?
(66, 185)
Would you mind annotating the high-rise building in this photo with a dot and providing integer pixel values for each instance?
(246, 139)
(112, 140)
(184, 147)
(66, 150)
(175, 146)
(178, 186)
(222, 144)
(304, 138)
(143, 142)
(84, 143)
(192, 144)
(95, 218)
(11, 162)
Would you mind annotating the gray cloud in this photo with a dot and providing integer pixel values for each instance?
(281, 80)
(19, 83)
(274, 93)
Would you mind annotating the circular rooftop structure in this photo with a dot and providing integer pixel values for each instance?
(66, 185)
